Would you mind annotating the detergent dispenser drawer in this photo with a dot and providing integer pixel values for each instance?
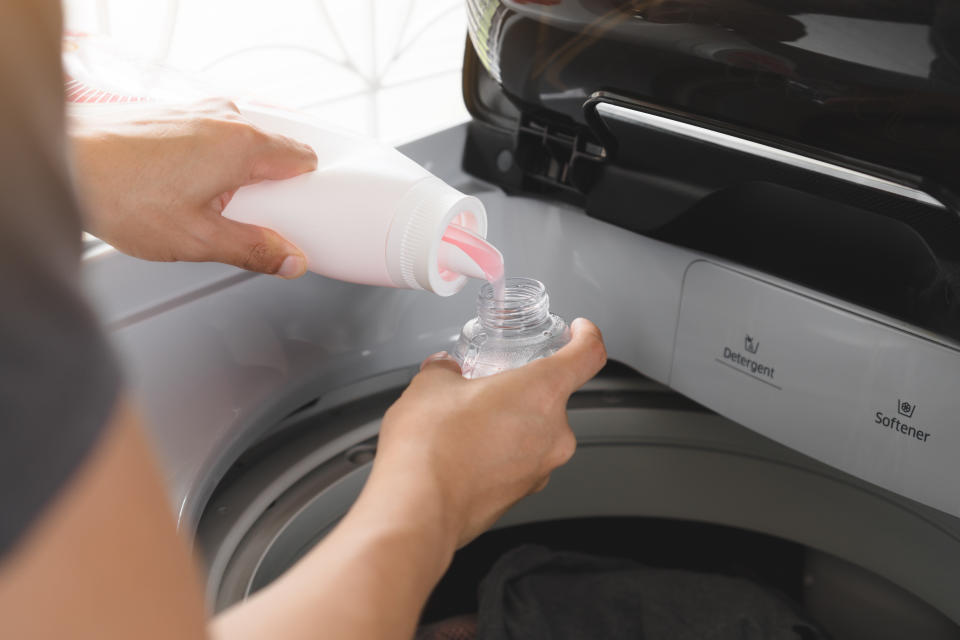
(865, 396)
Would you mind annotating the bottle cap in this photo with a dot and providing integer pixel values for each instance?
(421, 218)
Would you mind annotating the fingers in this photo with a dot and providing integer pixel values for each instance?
(579, 360)
(276, 157)
(253, 248)
(440, 361)
(264, 156)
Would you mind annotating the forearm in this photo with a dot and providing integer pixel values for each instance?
(368, 579)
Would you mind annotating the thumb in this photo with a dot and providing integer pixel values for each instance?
(254, 248)
(579, 360)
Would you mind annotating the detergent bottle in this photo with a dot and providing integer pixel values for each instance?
(369, 214)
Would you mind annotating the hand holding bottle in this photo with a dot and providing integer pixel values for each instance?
(479, 446)
(156, 180)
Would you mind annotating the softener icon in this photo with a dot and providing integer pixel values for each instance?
(750, 344)
(905, 408)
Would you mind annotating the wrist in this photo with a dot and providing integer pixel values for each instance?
(90, 164)
(369, 578)
(403, 504)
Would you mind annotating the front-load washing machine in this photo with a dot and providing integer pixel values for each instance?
(758, 206)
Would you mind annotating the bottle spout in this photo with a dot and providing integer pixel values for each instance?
(456, 260)
(465, 252)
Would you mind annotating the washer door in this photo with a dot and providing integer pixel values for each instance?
(644, 451)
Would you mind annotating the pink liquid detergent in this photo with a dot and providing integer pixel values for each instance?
(480, 251)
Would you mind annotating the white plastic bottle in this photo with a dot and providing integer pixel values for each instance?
(368, 214)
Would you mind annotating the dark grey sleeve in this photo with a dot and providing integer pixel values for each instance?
(58, 379)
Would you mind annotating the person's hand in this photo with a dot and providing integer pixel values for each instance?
(481, 445)
(156, 180)
(453, 456)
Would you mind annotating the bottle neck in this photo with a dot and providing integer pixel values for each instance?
(525, 305)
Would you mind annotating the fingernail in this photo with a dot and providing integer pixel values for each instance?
(292, 267)
(308, 150)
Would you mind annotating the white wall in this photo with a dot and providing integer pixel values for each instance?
(388, 68)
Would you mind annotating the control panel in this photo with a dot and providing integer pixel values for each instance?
(867, 397)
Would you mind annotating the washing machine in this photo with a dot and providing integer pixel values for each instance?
(756, 202)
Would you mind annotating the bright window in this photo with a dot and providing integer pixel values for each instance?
(388, 68)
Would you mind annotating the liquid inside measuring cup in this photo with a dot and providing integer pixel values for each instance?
(484, 254)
